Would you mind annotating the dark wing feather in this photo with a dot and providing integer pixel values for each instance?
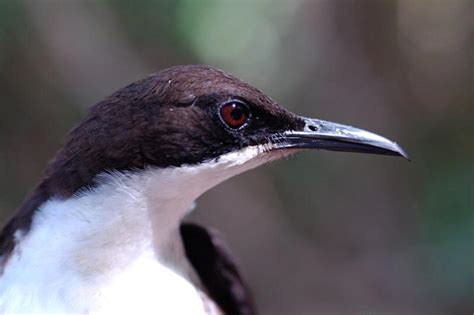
(216, 269)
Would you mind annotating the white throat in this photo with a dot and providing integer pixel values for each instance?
(100, 242)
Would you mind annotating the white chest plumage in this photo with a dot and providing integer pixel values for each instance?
(114, 268)
(144, 287)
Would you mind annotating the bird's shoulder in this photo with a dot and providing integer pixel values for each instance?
(217, 269)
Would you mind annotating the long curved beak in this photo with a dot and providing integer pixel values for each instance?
(320, 134)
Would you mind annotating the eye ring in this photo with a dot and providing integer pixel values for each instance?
(234, 114)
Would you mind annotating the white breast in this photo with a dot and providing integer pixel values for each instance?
(145, 287)
(79, 258)
(149, 288)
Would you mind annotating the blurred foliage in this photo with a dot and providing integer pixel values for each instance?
(148, 32)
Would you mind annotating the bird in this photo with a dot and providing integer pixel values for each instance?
(103, 233)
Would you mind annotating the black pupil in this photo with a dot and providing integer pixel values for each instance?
(237, 112)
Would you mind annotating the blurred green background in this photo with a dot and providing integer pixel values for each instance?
(320, 233)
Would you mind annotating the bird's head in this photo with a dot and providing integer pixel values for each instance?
(195, 115)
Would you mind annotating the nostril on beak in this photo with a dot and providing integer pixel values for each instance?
(313, 128)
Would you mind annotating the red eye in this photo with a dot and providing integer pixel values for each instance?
(234, 114)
